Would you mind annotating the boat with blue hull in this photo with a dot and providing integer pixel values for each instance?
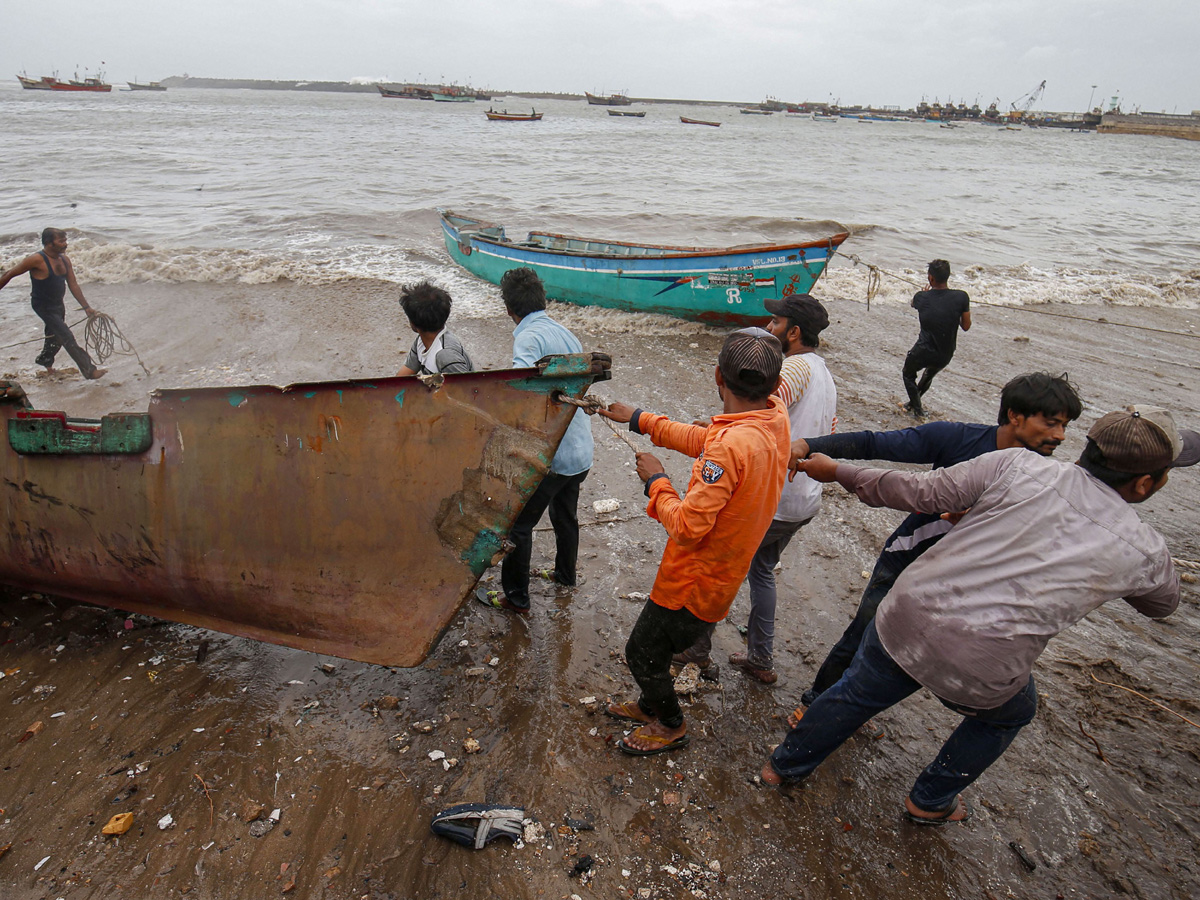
(716, 286)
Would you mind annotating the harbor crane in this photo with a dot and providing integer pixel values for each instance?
(1022, 105)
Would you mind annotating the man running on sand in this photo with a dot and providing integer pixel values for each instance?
(713, 531)
(51, 273)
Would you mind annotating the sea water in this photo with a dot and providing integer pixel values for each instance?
(262, 186)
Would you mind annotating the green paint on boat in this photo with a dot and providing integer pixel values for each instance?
(55, 434)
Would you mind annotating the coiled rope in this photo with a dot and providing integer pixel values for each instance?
(103, 337)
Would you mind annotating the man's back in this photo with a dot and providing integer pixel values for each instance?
(1043, 544)
(538, 335)
(940, 311)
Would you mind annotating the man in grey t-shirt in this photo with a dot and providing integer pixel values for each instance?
(1041, 545)
(435, 349)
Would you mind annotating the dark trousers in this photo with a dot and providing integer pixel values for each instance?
(839, 658)
(873, 683)
(658, 633)
(559, 494)
(58, 335)
(919, 358)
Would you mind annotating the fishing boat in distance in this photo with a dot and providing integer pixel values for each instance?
(45, 83)
(452, 93)
(344, 517)
(755, 111)
(640, 114)
(618, 99)
(686, 121)
(96, 84)
(148, 86)
(506, 116)
(717, 286)
(405, 92)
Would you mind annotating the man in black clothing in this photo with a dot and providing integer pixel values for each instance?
(942, 313)
(52, 274)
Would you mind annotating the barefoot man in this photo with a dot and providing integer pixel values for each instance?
(51, 273)
(713, 531)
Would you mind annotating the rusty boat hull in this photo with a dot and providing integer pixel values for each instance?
(349, 518)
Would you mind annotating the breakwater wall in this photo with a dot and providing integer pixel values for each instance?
(1162, 124)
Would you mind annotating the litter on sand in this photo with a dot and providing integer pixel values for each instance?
(475, 824)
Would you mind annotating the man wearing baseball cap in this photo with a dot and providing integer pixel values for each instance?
(807, 390)
(1043, 544)
(712, 532)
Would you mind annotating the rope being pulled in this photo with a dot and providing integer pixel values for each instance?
(591, 405)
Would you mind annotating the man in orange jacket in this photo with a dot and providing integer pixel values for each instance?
(713, 532)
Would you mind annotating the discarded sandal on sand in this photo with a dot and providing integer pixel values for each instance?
(628, 712)
(959, 808)
(661, 743)
(475, 824)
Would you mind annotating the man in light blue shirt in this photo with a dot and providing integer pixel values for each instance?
(535, 336)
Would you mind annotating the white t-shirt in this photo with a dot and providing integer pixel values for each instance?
(807, 388)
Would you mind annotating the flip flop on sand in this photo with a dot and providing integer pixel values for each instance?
(958, 811)
(628, 712)
(661, 743)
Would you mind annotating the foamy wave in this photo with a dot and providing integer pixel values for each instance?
(1020, 286)
(306, 262)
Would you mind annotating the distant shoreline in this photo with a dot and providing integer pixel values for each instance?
(345, 87)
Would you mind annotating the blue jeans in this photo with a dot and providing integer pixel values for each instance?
(874, 683)
(839, 658)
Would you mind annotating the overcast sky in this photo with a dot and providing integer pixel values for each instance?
(882, 52)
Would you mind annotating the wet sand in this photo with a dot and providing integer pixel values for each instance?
(1100, 792)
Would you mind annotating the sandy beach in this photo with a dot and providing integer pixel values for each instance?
(1096, 798)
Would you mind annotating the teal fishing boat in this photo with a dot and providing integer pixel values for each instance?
(717, 286)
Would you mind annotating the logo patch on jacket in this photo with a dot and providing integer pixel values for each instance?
(711, 473)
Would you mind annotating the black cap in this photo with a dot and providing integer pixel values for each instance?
(804, 310)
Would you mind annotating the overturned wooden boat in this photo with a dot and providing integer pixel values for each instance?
(718, 286)
(686, 121)
(345, 517)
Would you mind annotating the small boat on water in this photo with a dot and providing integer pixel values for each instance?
(823, 117)
(718, 286)
(755, 111)
(686, 121)
(344, 517)
(45, 83)
(641, 114)
(506, 116)
(148, 86)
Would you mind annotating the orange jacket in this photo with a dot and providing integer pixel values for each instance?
(716, 528)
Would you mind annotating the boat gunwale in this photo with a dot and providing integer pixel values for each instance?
(676, 252)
